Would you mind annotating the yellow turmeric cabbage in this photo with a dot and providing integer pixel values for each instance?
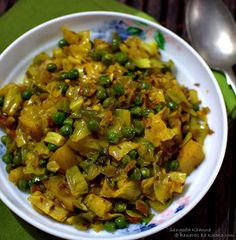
(100, 132)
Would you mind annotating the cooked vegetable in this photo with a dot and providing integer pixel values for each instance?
(98, 205)
(26, 95)
(51, 67)
(65, 157)
(98, 133)
(47, 206)
(76, 181)
(120, 150)
(12, 101)
(190, 156)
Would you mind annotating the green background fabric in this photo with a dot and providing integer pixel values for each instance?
(22, 17)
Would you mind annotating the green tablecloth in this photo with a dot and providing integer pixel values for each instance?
(22, 17)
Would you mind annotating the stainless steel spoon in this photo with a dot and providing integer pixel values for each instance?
(212, 32)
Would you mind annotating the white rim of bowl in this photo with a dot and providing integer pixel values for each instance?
(201, 194)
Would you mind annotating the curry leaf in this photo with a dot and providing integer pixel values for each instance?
(134, 30)
(160, 39)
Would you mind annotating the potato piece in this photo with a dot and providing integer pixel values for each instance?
(31, 126)
(16, 174)
(190, 156)
(65, 157)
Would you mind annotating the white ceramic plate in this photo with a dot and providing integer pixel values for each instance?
(191, 69)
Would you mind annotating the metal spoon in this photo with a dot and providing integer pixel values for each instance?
(212, 32)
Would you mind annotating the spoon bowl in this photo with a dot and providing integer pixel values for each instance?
(212, 32)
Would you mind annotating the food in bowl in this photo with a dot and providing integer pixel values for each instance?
(98, 133)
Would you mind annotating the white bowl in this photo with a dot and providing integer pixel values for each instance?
(191, 69)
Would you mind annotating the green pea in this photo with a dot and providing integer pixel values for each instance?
(1, 100)
(121, 57)
(17, 159)
(125, 160)
(130, 65)
(62, 43)
(101, 93)
(159, 107)
(23, 185)
(196, 107)
(104, 80)
(93, 125)
(146, 111)
(43, 163)
(97, 55)
(108, 102)
(68, 121)
(145, 172)
(113, 136)
(120, 207)
(139, 127)
(26, 94)
(138, 100)
(172, 105)
(73, 74)
(144, 85)
(136, 174)
(5, 139)
(115, 43)
(8, 157)
(51, 67)
(121, 222)
(63, 87)
(64, 75)
(31, 181)
(133, 153)
(37, 180)
(9, 167)
(136, 111)
(66, 130)
(118, 89)
(107, 59)
(58, 118)
(110, 226)
(173, 165)
(128, 132)
(52, 147)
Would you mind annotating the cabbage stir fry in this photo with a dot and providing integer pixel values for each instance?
(99, 133)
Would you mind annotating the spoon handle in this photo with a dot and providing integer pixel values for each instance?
(231, 78)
